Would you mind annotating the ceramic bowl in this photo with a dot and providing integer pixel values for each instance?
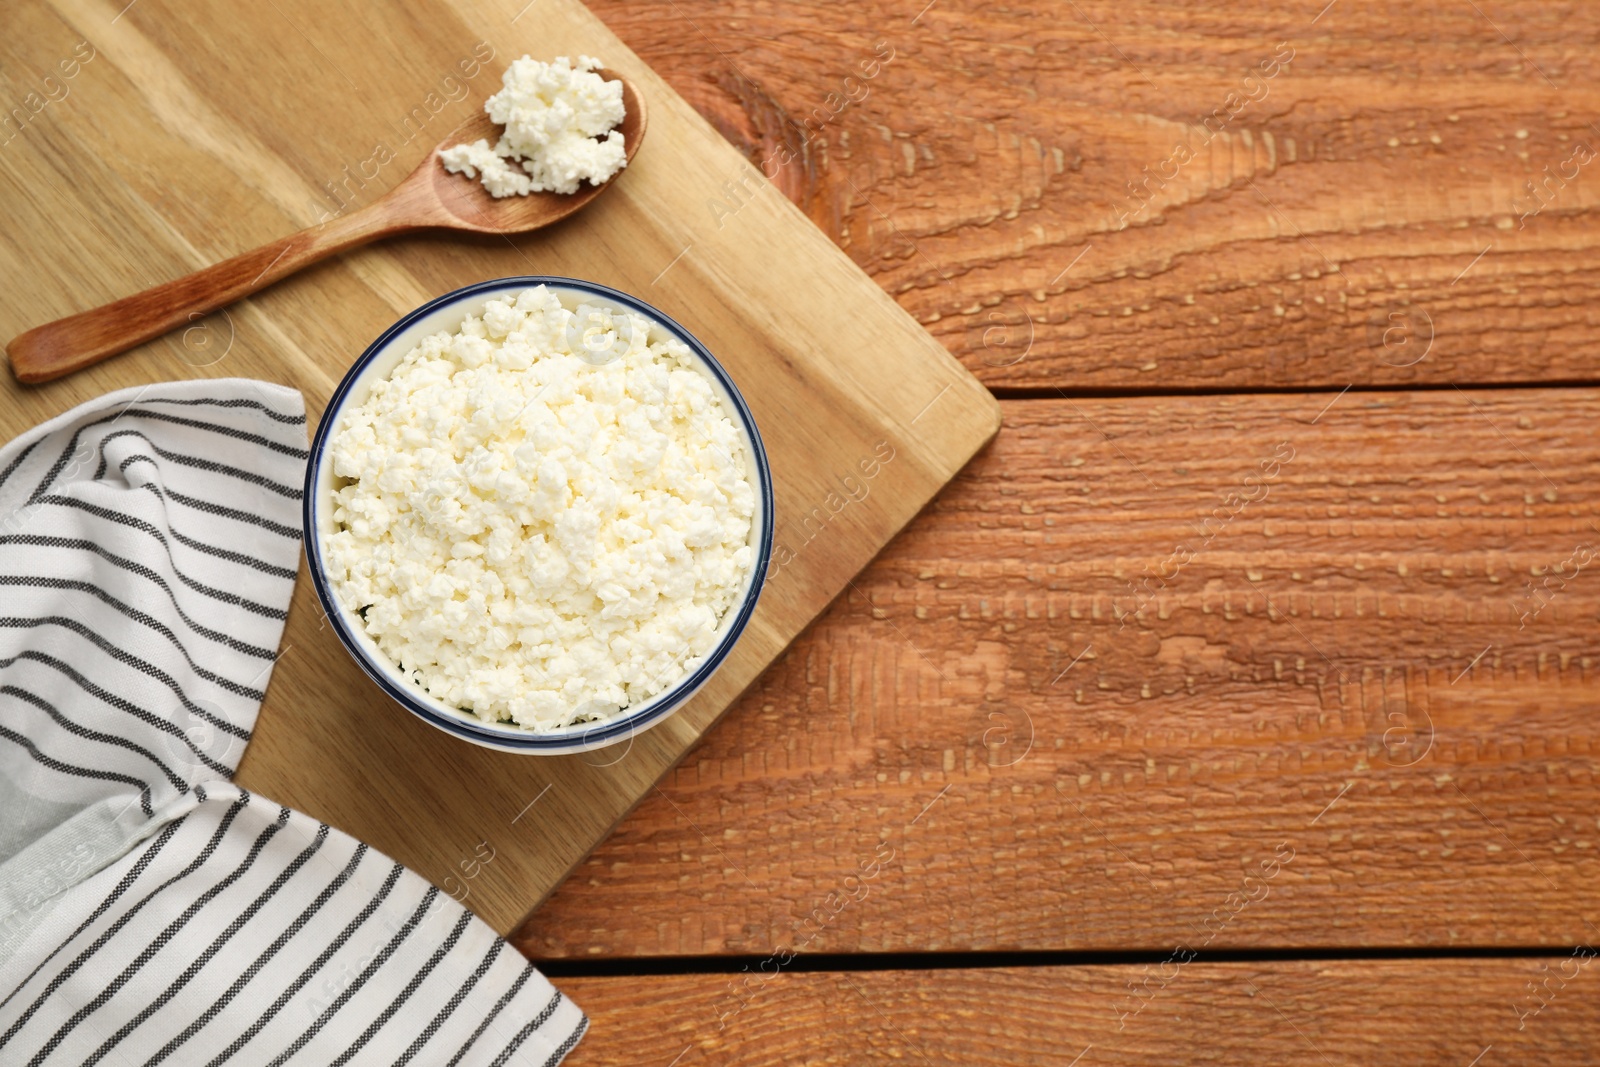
(446, 313)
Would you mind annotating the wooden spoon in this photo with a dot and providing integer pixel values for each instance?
(429, 198)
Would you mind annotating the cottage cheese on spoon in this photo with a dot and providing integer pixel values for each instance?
(552, 114)
(544, 517)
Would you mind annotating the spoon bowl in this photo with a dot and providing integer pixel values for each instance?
(428, 198)
(468, 205)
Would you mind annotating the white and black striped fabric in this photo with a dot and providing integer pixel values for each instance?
(150, 910)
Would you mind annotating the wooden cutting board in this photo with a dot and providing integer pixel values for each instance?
(193, 133)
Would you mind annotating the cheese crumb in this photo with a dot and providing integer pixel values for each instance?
(498, 175)
(543, 517)
(552, 114)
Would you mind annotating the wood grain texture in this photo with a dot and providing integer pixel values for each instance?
(1348, 668)
(187, 136)
(1323, 228)
(1402, 1013)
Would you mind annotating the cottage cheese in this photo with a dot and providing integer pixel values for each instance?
(542, 518)
(552, 114)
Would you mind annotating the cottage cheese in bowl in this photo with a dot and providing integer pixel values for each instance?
(543, 518)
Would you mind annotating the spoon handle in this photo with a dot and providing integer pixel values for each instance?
(77, 341)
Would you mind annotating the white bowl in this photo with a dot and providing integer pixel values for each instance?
(447, 313)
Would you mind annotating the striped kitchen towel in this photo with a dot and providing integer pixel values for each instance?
(150, 910)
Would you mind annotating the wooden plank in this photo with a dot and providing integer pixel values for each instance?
(1339, 1012)
(154, 162)
(1348, 667)
(1321, 234)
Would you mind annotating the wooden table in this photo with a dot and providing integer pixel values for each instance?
(1239, 702)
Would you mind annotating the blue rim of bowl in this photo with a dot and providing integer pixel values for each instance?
(570, 738)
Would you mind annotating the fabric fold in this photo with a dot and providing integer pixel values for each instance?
(150, 910)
